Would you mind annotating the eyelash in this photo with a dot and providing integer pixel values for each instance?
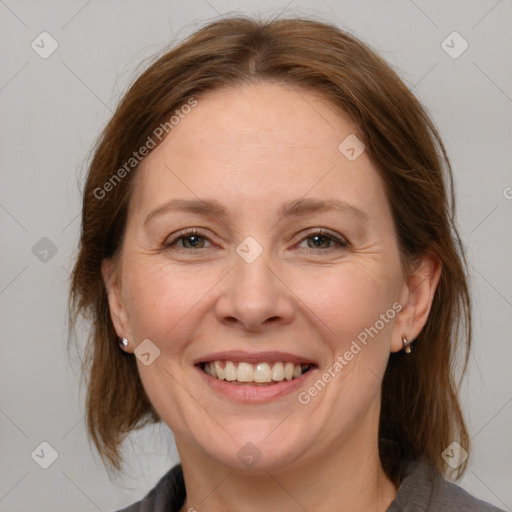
(342, 244)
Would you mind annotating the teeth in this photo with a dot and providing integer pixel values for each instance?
(278, 372)
(288, 371)
(260, 373)
(230, 371)
(218, 370)
(245, 372)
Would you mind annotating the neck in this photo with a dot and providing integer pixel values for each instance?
(349, 477)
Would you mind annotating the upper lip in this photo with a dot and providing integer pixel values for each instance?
(254, 357)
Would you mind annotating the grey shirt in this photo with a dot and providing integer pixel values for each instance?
(421, 490)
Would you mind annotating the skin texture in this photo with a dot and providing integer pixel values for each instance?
(252, 149)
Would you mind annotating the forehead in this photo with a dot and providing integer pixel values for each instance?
(271, 114)
(255, 143)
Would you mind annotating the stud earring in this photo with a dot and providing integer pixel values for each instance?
(123, 343)
(407, 344)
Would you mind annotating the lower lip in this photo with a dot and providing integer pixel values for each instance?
(255, 394)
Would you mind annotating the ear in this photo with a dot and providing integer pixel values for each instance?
(118, 312)
(416, 298)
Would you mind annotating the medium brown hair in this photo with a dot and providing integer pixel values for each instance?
(420, 413)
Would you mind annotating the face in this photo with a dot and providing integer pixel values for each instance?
(255, 245)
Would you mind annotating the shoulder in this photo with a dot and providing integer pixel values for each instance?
(448, 496)
(424, 490)
(168, 495)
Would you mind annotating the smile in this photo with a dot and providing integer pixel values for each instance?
(263, 373)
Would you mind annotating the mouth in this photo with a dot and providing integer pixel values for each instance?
(264, 373)
(255, 377)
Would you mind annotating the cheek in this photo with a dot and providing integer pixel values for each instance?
(161, 296)
(347, 299)
(171, 304)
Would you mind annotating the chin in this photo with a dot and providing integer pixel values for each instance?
(254, 450)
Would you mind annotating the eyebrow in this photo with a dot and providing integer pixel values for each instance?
(295, 208)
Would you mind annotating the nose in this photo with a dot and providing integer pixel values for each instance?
(254, 296)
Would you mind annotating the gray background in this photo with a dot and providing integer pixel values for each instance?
(52, 111)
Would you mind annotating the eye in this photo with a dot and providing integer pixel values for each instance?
(320, 239)
(324, 240)
(192, 239)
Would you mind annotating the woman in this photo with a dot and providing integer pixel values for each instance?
(267, 231)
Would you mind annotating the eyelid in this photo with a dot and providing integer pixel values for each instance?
(340, 240)
(183, 234)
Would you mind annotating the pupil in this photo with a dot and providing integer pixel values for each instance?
(193, 240)
(318, 240)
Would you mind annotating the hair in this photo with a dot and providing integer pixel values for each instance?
(420, 411)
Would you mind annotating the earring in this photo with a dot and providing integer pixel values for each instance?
(123, 343)
(407, 344)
